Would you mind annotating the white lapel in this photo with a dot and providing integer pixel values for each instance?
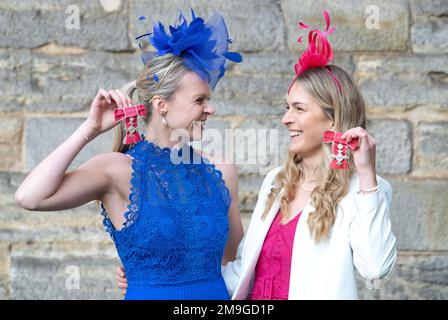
(302, 246)
(253, 245)
(258, 233)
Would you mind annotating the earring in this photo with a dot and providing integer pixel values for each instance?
(165, 124)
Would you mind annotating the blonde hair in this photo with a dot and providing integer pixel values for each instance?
(168, 69)
(346, 110)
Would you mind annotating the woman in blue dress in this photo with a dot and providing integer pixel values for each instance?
(171, 211)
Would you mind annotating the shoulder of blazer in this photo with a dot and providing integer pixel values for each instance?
(268, 181)
(265, 189)
(258, 210)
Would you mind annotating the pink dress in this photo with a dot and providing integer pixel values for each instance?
(274, 263)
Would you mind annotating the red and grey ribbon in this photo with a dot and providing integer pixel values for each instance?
(340, 152)
(130, 114)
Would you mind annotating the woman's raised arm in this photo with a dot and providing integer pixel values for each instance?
(50, 187)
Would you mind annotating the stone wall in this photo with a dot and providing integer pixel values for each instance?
(50, 72)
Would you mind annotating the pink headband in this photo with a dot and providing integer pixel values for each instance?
(318, 53)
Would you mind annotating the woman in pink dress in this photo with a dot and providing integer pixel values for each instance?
(325, 212)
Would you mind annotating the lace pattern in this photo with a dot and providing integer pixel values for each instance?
(134, 198)
(176, 224)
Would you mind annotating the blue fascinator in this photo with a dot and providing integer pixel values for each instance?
(203, 46)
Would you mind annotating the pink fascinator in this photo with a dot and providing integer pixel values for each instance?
(318, 53)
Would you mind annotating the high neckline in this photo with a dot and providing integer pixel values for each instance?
(157, 147)
(148, 149)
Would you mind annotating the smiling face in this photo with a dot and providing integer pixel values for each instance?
(190, 107)
(306, 122)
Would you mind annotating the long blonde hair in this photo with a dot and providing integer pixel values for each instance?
(347, 111)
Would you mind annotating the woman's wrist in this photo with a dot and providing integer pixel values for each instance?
(85, 131)
(83, 136)
(367, 182)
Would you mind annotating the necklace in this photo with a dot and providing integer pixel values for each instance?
(306, 189)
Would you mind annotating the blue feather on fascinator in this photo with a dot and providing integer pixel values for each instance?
(202, 45)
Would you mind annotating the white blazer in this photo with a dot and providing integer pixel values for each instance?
(361, 238)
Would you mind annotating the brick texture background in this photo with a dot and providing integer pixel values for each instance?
(50, 73)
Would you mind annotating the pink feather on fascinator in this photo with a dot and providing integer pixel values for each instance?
(318, 53)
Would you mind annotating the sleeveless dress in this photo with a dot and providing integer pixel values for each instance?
(176, 226)
(273, 268)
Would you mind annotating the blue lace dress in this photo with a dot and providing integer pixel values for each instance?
(176, 226)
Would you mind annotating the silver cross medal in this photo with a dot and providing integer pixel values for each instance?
(131, 128)
(340, 157)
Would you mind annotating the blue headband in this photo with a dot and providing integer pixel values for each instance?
(202, 46)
